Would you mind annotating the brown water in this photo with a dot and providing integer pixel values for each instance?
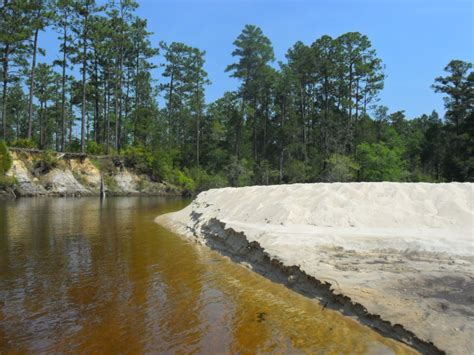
(80, 276)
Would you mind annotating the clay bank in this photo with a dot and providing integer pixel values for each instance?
(42, 173)
(398, 257)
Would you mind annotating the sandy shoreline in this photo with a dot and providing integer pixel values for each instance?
(399, 257)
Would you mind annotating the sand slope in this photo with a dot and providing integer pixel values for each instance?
(404, 251)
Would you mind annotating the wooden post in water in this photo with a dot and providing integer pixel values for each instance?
(102, 187)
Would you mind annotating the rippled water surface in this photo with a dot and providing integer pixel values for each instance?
(81, 275)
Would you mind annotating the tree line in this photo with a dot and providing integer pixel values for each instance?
(313, 117)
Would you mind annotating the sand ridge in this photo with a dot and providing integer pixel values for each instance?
(402, 250)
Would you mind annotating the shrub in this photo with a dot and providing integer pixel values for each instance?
(378, 162)
(23, 143)
(163, 166)
(139, 159)
(418, 176)
(296, 171)
(96, 149)
(264, 173)
(46, 163)
(7, 181)
(182, 179)
(205, 181)
(239, 173)
(74, 146)
(5, 158)
(340, 168)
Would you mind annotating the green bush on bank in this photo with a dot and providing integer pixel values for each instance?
(205, 181)
(23, 143)
(182, 179)
(46, 163)
(5, 158)
(139, 159)
(341, 168)
(379, 162)
(158, 166)
(6, 162)
(94, 148)
(7, 181)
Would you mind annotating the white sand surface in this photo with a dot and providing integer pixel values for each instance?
(404, 251)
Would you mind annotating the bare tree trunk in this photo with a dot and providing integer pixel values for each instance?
(41, 116)
(63, 91)
(96, 99)
(83, 113)
(4, 91)
(116, 118)
(32, 83)
(303, 120)
(254, 134)
(356, 121)
(71, 123)
(348, 138)
(282, 149)
(119, 129)
(198, 118)
(107, 116)
(170, 106)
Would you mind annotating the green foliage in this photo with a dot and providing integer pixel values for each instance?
(182, 179)
(7, 181)
(378, 162)
(341, 168)
(24, 143)
(296, 172)
(94, 148)
(46, 163)
(458, 86)
(205, 181)
(139, 158)
(239, 172)
(74, 146)
(304, 120)
(163, 165)
(419, 176)
(265, 174)
(5, 158)
(160, 166)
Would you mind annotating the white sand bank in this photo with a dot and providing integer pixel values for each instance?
(404, 251)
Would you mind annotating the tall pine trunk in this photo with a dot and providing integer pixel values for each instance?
(254, 133)
(96, 98)
(4, 91)
(32, 83)
(84, 62)
(198, 128)
(63, 91)
(170, 107)
(106, 112)
(119, 137)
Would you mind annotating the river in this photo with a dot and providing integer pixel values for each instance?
(80, 275)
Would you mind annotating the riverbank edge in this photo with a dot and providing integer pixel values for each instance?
(235, 245)
(78, 175)
(10, 195)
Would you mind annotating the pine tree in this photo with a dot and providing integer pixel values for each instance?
(14, 31)
(254, 51)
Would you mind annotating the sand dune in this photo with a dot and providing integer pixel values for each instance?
(404, 251)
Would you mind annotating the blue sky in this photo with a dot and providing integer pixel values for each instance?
(414, 38)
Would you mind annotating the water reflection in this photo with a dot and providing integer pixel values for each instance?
(81, 275)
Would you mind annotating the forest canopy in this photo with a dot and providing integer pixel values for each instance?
(314, 116)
